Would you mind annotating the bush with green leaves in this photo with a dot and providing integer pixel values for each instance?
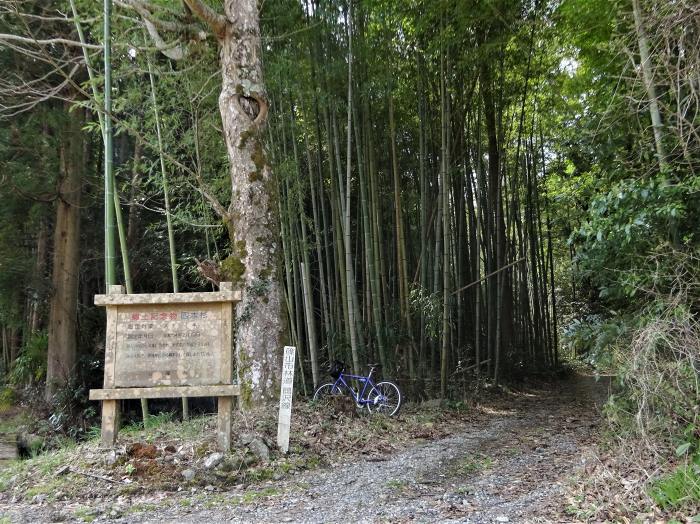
(635, 235)
(593, 338)
(30, 365)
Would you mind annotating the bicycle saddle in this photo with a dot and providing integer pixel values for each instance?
(373, 365)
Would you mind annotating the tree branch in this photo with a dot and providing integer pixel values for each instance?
(216, 21)
(203, 189)
(50, 41)
(174, 51)
(144, 10)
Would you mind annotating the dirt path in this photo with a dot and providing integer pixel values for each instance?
(510, 468)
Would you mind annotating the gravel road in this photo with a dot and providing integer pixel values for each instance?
(512, 467)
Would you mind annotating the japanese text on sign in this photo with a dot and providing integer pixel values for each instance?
(165, 346)
(286, 394)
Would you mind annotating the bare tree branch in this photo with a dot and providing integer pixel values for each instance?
(175, 50)
(216, 21)
(50, 41)
(166, 25)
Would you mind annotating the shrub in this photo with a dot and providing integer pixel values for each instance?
(30, 365)
(594, 339)
(660, 374)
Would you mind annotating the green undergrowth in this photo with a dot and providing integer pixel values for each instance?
(648, 464)
(677, 489)
(35, 478)
(209, 500)
(164, 425)
(12, 421)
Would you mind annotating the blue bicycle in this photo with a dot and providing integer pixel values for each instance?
(383, 397)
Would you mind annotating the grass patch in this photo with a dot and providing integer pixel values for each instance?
(396, 484)
(36, 475)
(10, 423)
(677, 489)
(216, 500)
(49, 488)
(259, 474)
(85, 514)
(474, 464)
(575, 509)
(49, 462)
(143, 507)
(8, 471)
(166, 424)
(250, 496)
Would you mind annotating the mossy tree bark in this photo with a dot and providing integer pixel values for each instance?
(253, 219)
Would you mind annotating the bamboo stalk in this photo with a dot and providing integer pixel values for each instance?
(349, 274)
(110, 272)
(168, 217)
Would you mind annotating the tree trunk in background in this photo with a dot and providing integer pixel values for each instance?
(42, 249)
(401, 271)
(253, 220)
(370, 243)
(66, 259)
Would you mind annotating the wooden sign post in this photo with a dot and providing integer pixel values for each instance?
(286, 392)
(168, 345)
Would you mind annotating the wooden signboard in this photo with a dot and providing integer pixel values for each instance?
(167, 345)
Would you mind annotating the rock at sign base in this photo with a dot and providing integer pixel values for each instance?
(246, 438)
(259, 449)
(111, 457)
(213, 460)
(188, 474)
(63, 470)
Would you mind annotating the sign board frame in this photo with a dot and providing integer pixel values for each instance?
(120, 383)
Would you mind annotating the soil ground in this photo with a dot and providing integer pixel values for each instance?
(515, 462)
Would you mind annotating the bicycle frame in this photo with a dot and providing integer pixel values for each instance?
(360, 396)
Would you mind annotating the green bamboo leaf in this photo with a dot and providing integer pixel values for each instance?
(683, 448)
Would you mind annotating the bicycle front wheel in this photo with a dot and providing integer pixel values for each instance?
(326, 391)
(385, 398)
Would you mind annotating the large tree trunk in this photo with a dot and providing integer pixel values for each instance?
(253, 214)
(66, 260)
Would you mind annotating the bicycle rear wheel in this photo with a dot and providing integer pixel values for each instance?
(385, 398)
(326, 391)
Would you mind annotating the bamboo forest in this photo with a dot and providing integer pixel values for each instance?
(492, 204)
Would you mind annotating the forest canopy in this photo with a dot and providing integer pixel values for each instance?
(464, 192)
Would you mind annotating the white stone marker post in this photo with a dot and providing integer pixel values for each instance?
(286, 390)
